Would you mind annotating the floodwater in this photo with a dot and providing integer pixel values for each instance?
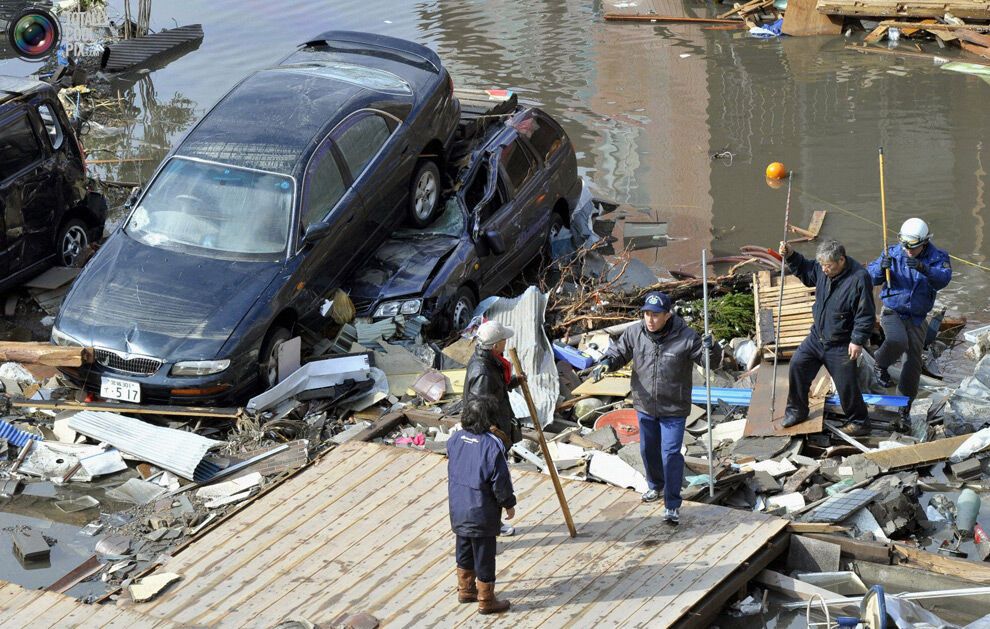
(647, 107)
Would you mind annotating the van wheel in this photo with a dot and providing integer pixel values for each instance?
(71, 242)
(424, 193)
(556, 224)
(464, 305)
(268, 356)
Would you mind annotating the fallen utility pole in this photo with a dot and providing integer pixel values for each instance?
(45, 354)
(543, 445)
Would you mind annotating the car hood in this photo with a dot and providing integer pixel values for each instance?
(150, 301)
(399, 268)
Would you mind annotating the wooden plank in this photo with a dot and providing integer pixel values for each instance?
(910, 8)
(974, 571)
(979, 51)
(45, 354)
(977, 28)
(758, 420)
(876, 34)
(609, 386)
(122, 407)
(801, 19)
(857, 549)
(406, 608)
(916, 455)
(247, 567)
(28, 615)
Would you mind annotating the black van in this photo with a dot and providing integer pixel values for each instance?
(48, 214)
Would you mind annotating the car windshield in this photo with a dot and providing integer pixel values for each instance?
(450, 223)
(215, 210)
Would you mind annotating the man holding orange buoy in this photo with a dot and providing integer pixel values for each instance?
(662, 348)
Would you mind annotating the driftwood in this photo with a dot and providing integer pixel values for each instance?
(45, 354)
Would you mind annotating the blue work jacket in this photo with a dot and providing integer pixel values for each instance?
(911, 293)
(478, 484)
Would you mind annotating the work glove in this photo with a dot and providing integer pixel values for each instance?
(707, 341)
(599, 371)
(885, 263)
(916, 264)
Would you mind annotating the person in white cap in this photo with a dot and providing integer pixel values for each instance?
(490, 373)
(918, 270)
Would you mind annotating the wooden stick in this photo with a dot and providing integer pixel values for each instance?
(122, 407)
(883, 215)
(543, 444)
(617, 17)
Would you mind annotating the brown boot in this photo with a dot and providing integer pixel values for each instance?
(487, 603)
(467, 592)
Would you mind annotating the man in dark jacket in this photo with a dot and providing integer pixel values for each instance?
(663, 350)
(478, 488)
(918, 270)
(490, 373)
(843, 318)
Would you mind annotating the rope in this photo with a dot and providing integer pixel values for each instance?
(876, 224)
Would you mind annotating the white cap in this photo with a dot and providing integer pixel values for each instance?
(491, 332)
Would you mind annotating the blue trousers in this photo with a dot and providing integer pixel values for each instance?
(660, 441)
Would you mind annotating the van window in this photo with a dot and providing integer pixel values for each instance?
(545, 137)
(517, 164)
(19, 147)
(324, 186)
(51, 125)
(360, 140)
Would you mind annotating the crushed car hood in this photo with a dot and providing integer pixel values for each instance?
(400, 267)
(150, 301)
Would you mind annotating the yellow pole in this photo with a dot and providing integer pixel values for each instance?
(543, 445)
(883, 214)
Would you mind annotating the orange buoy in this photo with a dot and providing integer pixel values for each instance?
(776, 170)
(776, 184)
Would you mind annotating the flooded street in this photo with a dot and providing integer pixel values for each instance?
(678, 121)
(647, 106)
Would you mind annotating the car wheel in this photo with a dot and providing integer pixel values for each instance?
(71, 242)
(268, 356)
(556, 224)
(424, 194)
(463, 309)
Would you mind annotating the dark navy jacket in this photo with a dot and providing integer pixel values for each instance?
(844, 310)
(911, 293)
(478, 484)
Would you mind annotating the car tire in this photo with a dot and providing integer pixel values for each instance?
(424, 193)
(71, 242)
(462, 309)
(268, 356)
(556, 224)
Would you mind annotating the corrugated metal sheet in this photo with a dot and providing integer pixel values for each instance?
(15, 436)
(132, 52)
(177, 451)
(525, 316)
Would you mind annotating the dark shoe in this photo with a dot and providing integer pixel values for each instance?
(651, 496)
(487, 603)
(671, 516)
(883, 378)
(791, 419)
(467, 591)
(855, 429)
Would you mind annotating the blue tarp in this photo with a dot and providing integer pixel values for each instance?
(767, 30)
(741, 397)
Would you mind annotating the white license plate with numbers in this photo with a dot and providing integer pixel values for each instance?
(123, 390)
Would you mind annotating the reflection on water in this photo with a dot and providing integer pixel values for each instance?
(647, 106)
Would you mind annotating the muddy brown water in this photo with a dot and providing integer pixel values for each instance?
(646, 106)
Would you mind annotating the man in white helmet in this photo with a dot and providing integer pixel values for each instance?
(918, 270)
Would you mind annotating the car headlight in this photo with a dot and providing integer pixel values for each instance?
(393, 308)
(61, 338)
(199, 367)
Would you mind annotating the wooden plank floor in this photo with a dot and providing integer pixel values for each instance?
(367, 529)
(38, 609)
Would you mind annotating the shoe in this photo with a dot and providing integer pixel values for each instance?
(855, 429)
(883, 378)
(791, 419)
(487, 603)
(506, 530)
(651, 496)
(671, 516)
(467, 591)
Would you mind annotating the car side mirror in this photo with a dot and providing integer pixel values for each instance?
(494, 241)
(315, 233)
(132, 197)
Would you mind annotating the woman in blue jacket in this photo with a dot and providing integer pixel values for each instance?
(478, 488)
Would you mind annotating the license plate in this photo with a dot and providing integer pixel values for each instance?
(123, 390)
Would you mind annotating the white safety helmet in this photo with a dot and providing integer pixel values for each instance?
(914, 233)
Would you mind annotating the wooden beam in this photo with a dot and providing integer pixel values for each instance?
(188, 411)
(615, 17)
(857, 549)
(980, 28)
(905, 8)
(940, 564)
(45, 354)
(381, 427)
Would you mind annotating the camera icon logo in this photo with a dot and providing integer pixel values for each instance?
(31, 32)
